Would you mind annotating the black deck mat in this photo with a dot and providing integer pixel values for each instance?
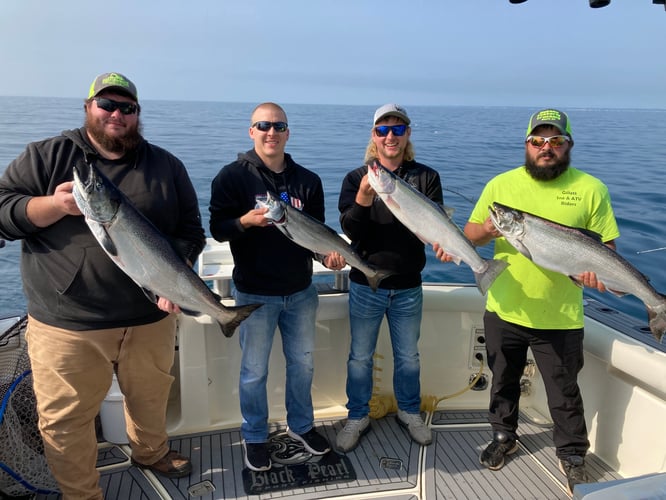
(386, 462)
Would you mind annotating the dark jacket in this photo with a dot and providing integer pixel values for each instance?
(378, 236)
(266, 262)
(68, 280)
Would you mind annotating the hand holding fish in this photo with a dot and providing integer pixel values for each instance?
(43, 211)
(334, 261)
(167, 306)
(63, 199)
(255, 217)
(366, 194)
(441, 254)
(589, 279)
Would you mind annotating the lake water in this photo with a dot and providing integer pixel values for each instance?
(467, 145)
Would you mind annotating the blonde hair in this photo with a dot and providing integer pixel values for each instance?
(371, 151)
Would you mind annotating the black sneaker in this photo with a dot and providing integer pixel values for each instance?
(574, 468)
(314, 442)
(501, 445)
(256, 456)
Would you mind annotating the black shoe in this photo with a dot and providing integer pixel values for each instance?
(501, 445)
(256, 456)
(314, 442)
(574, 468)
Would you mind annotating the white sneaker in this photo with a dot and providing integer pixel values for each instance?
(418, 430)
(348, 438)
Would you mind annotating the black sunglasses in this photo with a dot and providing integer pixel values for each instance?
(126, 108)
(383, 130)
(266, 126)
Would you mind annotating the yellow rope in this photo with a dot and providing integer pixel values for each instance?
(382, 404)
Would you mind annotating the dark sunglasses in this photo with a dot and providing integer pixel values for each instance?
(383, 130)
(555, 141)
(266, 126)
(126, 108)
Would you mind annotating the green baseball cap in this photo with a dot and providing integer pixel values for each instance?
(553, 117)
(114, 81)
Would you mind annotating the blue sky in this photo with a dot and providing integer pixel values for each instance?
(416, 52)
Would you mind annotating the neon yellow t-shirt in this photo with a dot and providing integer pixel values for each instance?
(525, 293)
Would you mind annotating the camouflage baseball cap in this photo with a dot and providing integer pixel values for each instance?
(553, 117)
(113, 81)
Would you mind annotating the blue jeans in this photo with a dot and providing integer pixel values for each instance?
(403, 310)
(295, 314)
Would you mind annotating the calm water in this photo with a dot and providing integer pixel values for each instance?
(467, 145)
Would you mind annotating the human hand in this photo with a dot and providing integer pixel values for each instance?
(490, 229)
(255, 217)
(589, 279)
(63, 199)
(167, 306)
(335, 261)
(441, 254)
(365, 194)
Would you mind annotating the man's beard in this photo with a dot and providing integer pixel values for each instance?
(547, 173)
(122, 145)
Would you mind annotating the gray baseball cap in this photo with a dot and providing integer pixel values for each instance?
(391, 110)
(553, 117)
(113, 81)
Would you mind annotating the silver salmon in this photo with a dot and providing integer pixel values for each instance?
(431, 224)
(142, 252)
(572, 251)
(317, 237)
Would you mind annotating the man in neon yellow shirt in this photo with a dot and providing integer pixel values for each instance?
(529, 306)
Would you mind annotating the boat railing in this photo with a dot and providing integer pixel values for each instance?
(216, 264)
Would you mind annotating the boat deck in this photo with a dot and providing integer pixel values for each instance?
(386, 464)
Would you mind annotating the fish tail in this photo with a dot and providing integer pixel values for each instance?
(376, 278)
(657, 320)
(487, 277)
(240, 313)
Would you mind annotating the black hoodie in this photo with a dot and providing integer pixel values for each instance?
(266, 262)
(68, 280)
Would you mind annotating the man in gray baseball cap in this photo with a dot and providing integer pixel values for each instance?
(113, 81)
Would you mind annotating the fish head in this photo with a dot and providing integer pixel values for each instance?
(508, 221)
(276, 208)
(95, 195)
(381, 179)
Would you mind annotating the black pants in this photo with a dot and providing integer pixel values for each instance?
(559, 356)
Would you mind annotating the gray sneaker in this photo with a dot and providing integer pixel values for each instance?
(418, 430)
(348, 438)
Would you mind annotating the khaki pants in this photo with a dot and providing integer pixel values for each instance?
(72, 373)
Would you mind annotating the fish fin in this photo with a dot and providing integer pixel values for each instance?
(102, 236)
(657, 320)
(522, 249)
(189, 312)
(595, 236)
(487, 277)
(449, 211)
(376, 279)
(241, 312)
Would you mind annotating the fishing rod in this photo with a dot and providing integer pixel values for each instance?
(652, 250)
(459, 194)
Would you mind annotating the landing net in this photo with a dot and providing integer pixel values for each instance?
(23, 468)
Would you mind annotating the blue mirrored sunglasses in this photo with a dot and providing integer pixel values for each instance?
(383, 130)
(265, 126)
